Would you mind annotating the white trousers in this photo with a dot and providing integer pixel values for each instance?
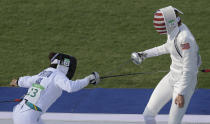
(162, 94)
(22, 114)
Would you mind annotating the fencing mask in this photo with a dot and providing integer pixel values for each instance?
(166, 20)
(65, 63)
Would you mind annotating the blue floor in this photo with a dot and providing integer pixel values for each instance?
(100, 100)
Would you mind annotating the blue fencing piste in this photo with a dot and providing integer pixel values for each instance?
(107, 100)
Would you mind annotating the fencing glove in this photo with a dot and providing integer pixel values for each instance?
(94, 78)
(138, 57)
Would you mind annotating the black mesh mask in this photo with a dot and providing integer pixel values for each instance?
(65, 63)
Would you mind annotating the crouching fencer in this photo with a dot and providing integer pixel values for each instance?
(179, 84)
(47, 86)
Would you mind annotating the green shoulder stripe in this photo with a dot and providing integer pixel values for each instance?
(38, 86)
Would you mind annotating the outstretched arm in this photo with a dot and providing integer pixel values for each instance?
(157, 51)
(138, 57)
(25, 81)
(72, 86)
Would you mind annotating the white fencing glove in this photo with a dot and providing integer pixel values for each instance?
(138, 57)
(94, 78)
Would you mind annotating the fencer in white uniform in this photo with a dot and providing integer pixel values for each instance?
(179, 84)
(47, 86)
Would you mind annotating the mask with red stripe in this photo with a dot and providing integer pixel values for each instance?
(159, 20)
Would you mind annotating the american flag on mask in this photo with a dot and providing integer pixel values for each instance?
(185, 46)
(159, 22)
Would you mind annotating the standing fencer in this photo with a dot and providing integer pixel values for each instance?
(47, 86)
(180, 82)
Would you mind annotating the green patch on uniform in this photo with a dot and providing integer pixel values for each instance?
(171, 21)
(38, 86)
(66, 62)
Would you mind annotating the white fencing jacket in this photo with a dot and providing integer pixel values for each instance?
(183, 51)
(54, 83)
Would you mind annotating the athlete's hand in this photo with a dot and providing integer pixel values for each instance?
(179, 101)
(138, 57)
(94, 78)
(13, 83)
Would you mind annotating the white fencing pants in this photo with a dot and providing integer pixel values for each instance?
(162, 94)
(22, 114)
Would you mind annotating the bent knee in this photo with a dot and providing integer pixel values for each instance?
(148, 114)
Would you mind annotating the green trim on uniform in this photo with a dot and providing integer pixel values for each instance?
(38, 86)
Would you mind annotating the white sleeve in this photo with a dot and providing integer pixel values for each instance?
(190, 58)
(156, 51)
(68, 85)
(26, 81)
